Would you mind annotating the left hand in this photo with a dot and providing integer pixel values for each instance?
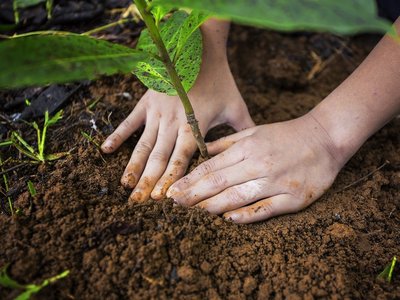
(263, 171)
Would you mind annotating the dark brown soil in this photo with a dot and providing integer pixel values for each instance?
(81, 219)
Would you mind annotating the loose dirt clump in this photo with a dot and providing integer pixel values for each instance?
(81, 219)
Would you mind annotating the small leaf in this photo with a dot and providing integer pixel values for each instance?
(6, 143)
(6, 281)
(27, 294)
(387, 273)
(338, 16)
(22, 142)
(181, 36)
(55, 156)
(31, 189)
(39, 59)
(159, 13)
(54, 119)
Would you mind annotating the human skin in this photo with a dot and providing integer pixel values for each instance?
(280, 168)
(166, 146)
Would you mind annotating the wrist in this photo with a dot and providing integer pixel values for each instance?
(345, 133)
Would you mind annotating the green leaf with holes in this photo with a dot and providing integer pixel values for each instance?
(338, 16)
(41, 59)
(182, 38)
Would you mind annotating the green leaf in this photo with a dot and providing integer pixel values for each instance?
(24, 143)
(30, 289)
(387, 273)
(61, 57)
(338, 16)
(54, 119)
(6, 143)
(31, 189)
(183, 40)
(159, 13)
(56, 156)
(27, 3)
(6, 281)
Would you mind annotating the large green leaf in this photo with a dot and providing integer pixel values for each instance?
(62, 57)
(182, 38)
(338, 16)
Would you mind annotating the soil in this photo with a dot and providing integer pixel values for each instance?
(81, 220)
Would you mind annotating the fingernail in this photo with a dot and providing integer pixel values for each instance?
(171, 191)
(156, 194)
(107, 145)
(128, 180)
(231, 217)
(136, 196)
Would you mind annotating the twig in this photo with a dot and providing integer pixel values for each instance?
(13, 168)
(364, 177)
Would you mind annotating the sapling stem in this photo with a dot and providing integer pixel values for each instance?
(176, 81)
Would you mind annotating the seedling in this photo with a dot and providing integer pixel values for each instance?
(91, 140)
(37, 155)
(387, 273)
(28, 289)
(168, 54)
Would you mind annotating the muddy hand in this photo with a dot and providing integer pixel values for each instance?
(166, 146)
(262, 172)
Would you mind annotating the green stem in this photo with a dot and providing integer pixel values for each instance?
(49, 8)
(16, 12)
(176, 81)
(104, 27)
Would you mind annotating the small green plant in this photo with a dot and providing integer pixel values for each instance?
(91, 140)
(31, 189)
(37, 155)
(168, 54)
(387, 273)
(28, 289)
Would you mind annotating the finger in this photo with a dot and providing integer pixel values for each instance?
(184, 148)
(124, 130)
(216, 182)
(265, 209)
(224, 143)
(156, 163)
(240, 195)
(221, 161)
(141, 153)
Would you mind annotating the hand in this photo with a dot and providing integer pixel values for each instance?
(166, 146)
(263, 171)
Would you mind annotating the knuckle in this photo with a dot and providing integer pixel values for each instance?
(126, 124)
(206, 167)
(266, 209)
(217, 180)
(234, 195)
(158, 156)
(143, 147)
